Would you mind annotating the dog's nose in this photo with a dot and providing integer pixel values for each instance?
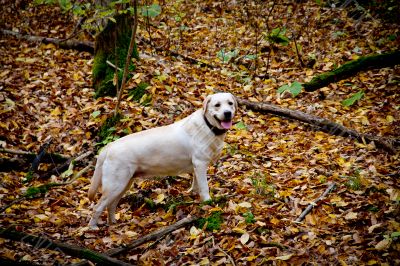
(228, 115)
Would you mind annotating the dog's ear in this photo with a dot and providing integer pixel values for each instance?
(205, 103)
(235, 102)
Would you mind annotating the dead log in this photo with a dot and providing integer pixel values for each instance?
(47, 158)
(46, 243)
(351, 68)
(314, 203)
(35, 163)
(84, 46)
(57, 170)
(152, 236)
(322, 124)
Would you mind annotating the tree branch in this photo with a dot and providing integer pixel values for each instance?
(321, 123)
(353, 67)
(314, 203)
(44, 242)
(128, 58)
(65, 44)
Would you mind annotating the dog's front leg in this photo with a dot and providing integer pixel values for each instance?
(200, 171)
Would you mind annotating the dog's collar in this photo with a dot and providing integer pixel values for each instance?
(215, 130)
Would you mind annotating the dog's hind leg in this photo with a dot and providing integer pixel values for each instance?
(113, 205)
(115, 182)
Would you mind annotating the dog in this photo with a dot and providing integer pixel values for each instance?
(186, 146)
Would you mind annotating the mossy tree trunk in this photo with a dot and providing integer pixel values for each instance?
(112, 45)
(351, 68)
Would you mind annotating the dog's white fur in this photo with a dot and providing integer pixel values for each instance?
(187, 146)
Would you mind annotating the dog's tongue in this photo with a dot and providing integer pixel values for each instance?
(226, 124)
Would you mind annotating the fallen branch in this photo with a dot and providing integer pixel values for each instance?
(314, 203)
(33, 192)
(321, 123)
(48, 157)
(351, 68)
(152, 236)
(35, 163)
(64, 166)
(44, 242)
(65, 44)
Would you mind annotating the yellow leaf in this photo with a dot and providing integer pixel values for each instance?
(384, 244)
(40, 217)
(244, 238)
(160, 198)
(205, 261)
(194, 232)
(251, 258)
(309, 72)
(56, 111)
(285, 257)
(131, 233)
(245, 204)
(274, 221)
(238, 230)
(351, 216)
(389, 118)
(76, 76)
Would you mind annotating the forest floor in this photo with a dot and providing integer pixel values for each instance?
(271, 167)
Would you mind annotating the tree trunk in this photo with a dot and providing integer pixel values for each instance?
(111, 45)
(353, 67)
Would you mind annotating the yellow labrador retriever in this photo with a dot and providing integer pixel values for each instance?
(187, 146)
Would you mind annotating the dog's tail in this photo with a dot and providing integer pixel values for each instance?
(96, 178)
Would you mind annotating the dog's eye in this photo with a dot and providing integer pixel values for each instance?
(230, 103)
(217, 105)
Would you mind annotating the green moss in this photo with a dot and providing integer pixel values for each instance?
(34, 191)
(108, 128)
(99, 65)
(214, 221)
(138, 92)
(353, 67)
(103, 74)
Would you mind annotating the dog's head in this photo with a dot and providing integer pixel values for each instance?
(219, 109)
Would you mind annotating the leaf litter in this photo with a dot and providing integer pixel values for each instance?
(271, 168)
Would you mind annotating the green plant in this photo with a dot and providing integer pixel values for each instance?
(354, 181)
(249, 218)
(353, 99)
(213, 222)
(139, 94)
(294, 88)
(277, 36)
(261, 186)
(226, 57)
(151, 11)
(106, 132)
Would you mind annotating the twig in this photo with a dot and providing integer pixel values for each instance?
(113, 66)
(65, 165)
(128, 57)
(314, 203)
(39, 156)
(297, 51)
(46, 243)
(223, 251)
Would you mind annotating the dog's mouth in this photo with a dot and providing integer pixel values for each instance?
(225, 124)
